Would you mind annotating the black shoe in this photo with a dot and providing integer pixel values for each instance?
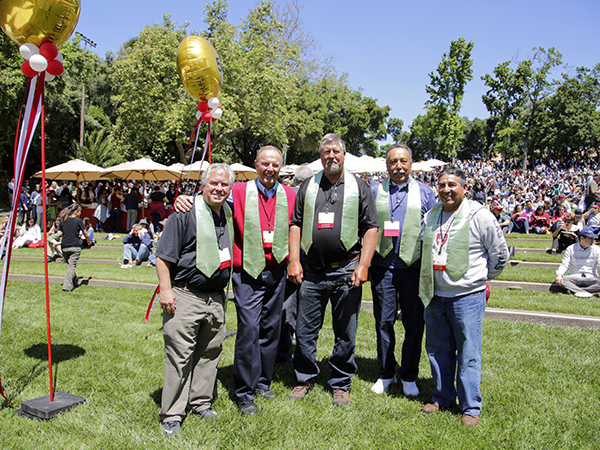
(50, 259)
(172, 428)
(247, 408)
(265, 393)
(63, 261)
(208, 413)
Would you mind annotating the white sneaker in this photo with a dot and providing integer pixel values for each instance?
(383, 384)
(410, 388)
(584, 294)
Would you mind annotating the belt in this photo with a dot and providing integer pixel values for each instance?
(190, 287)
(343, 262)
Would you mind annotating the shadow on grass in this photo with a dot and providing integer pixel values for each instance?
(60, 352)
(14, 388)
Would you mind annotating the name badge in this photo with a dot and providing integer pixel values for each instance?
(225, 258)
(326, 220)
(268, 236)
(391, 229)
(439, 261)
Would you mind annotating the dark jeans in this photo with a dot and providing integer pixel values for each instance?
(316, 290)
(393, 287)
(115, 219)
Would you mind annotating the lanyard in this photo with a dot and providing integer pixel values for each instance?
(442, 234)
(332, 195)
(398, 203)
(262, 202)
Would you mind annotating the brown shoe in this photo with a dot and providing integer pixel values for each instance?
(431, 408)
(299, 392)
(470, 420)
(341, 398)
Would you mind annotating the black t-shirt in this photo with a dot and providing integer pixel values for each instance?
(157, 196)
(177, 245)
(327, 247)
(70, 229)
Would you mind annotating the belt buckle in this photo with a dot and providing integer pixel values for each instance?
(335, 265)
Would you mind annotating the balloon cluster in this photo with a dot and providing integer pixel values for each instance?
(210, 110)
(45, 58)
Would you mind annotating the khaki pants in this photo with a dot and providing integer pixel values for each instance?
(193, 338)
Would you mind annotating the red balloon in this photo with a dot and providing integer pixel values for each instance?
(55, 68)
(487, 292)
(206, 116)
(48, 51)
(202, 106)
(28, 70)
(214, 119)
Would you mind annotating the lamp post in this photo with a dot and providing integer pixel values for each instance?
(92, 44)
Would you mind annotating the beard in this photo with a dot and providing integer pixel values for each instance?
(333, 167)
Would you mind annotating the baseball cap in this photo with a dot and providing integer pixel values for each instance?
(498, 208)
(587, 232)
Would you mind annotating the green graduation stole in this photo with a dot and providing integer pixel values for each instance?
(207, 246)
(349, 233)
(457, 262)
(253, 255)
(410, 240)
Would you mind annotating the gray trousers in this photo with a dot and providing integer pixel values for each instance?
(132, 215)
(71, 254)
(54, 245)
(577, 283)
(193, 338)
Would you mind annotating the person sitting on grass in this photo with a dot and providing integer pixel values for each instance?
(90, 231)
(519, 222)
(27, 234)
(558, 217)
(564, 235)
(581, 260)
(539, 222)
(138, 247)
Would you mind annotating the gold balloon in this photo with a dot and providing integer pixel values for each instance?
(39, 21)
(199, 68)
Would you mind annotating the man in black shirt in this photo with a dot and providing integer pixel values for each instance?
(336, 221)
(192, 297)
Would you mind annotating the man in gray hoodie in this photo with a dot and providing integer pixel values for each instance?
(463, 247)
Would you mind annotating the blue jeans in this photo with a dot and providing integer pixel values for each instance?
(453, 336)
(316, 290)
(143, 254)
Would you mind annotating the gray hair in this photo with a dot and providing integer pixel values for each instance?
(332, 137)
(218, 167)
(136, 226)
(302, 173)
(397, 145)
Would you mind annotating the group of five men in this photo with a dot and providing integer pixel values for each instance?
(330, 237)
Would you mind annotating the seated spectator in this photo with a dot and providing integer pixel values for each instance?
(581, 260)
(503, 219)
(564, 235)
(558, 217)
(593, 217)
(28, 234)
(539, 222)
(87, 223)
(138, 247)
(519, 221)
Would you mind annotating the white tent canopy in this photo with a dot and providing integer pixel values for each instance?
(75, 169)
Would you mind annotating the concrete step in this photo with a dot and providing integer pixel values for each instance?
(521, 285)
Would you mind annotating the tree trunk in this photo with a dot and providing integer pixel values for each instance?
(181, 152)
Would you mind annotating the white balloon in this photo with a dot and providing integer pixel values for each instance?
(27, 50)
(198, 115)
(38, 63)
(59, 57)
(213, 103)
(217, 113)
(49, 77)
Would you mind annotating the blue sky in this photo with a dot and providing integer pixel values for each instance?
(388, 48)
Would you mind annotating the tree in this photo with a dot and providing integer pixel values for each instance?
(538, 88)
(475, 142)
(155, 114)
(504, 101)
(446, 91)
(573, 118)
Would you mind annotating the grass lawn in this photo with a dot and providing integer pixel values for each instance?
(543, 301)
(537, 257)
(546, 243)
(540, 385)
(529, 274)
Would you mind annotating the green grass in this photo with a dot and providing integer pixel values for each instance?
(540, 386)
(543, 301)
(138, 274)
(537, 257)
(529, 274)
(546, 243)
(528, 236)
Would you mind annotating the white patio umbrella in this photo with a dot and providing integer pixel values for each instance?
(194, 171)
(364, 164)
(421, 166)
(76, 169)
(243, 173)
(435, 162)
